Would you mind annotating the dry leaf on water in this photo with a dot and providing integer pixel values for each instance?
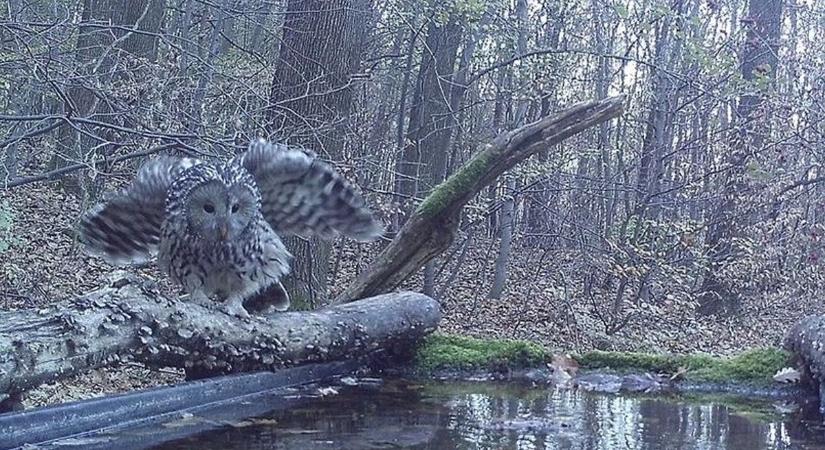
(679, 374)
(185, 420)
(253, 421)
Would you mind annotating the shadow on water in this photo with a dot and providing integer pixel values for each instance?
(499, 416)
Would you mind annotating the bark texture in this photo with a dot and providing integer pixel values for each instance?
(806, 340)
(424, 159)
(130, 319)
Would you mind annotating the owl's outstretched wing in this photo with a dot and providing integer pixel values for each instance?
(305, 196)
(125, 228)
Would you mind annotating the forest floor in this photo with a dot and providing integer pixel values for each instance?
(44, 265)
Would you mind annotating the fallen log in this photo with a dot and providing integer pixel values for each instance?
(431, 228)
(806, 340)
(130, 319)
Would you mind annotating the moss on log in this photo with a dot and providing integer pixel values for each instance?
(459, 353)
(441, 351)
(456, 185)
(752, 366)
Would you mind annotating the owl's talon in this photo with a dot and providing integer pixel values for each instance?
(198, 298)
(235, 308)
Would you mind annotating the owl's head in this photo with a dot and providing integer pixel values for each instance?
(219, 212)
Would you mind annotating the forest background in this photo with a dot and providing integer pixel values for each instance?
(693, 222)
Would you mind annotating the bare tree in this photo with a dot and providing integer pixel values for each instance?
(507, 212)
(758, 65)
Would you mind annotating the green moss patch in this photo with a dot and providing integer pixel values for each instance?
(440, 351)
(451, 352)
(456, 185)
(754, 366)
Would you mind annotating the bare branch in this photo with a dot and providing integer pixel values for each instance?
(431, 228)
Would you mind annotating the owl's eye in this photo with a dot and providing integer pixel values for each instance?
(208, 208)
(235, 208)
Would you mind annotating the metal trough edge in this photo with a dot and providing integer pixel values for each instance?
(42, 425)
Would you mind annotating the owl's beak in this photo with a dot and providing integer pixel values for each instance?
(223, 232)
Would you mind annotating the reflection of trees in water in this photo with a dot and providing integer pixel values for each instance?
(805, 425)
(570, 419)
(701, 426)
(466, 416)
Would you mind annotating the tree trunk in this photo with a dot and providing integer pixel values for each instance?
(142, 15)
(659, 117)
(424, 159)
(399, 179)
(538, 202)
(758, 63)
(311, 98)
(508, 207)
(130, 319)
(214, 48)
(605, 43)
(311, 88)
(505, 240)
(382, 120)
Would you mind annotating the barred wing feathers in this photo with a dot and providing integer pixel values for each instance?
(305, 196)
(125, 228)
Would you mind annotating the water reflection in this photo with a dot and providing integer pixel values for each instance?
(490, 416)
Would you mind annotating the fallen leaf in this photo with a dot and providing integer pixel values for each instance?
(327, 391)
(253, 421)
(349, 381)
(185, 420)
(679, 374)
(786, 375)
(564, 363)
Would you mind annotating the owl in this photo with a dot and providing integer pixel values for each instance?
(216, 228)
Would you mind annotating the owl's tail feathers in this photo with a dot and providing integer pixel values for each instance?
(270, 299)
(121, 231)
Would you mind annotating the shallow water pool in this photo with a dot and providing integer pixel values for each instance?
(460, 415)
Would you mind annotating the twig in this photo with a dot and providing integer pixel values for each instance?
(63, 171)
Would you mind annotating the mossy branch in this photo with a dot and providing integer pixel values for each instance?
(431, 228)
(456, 185)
